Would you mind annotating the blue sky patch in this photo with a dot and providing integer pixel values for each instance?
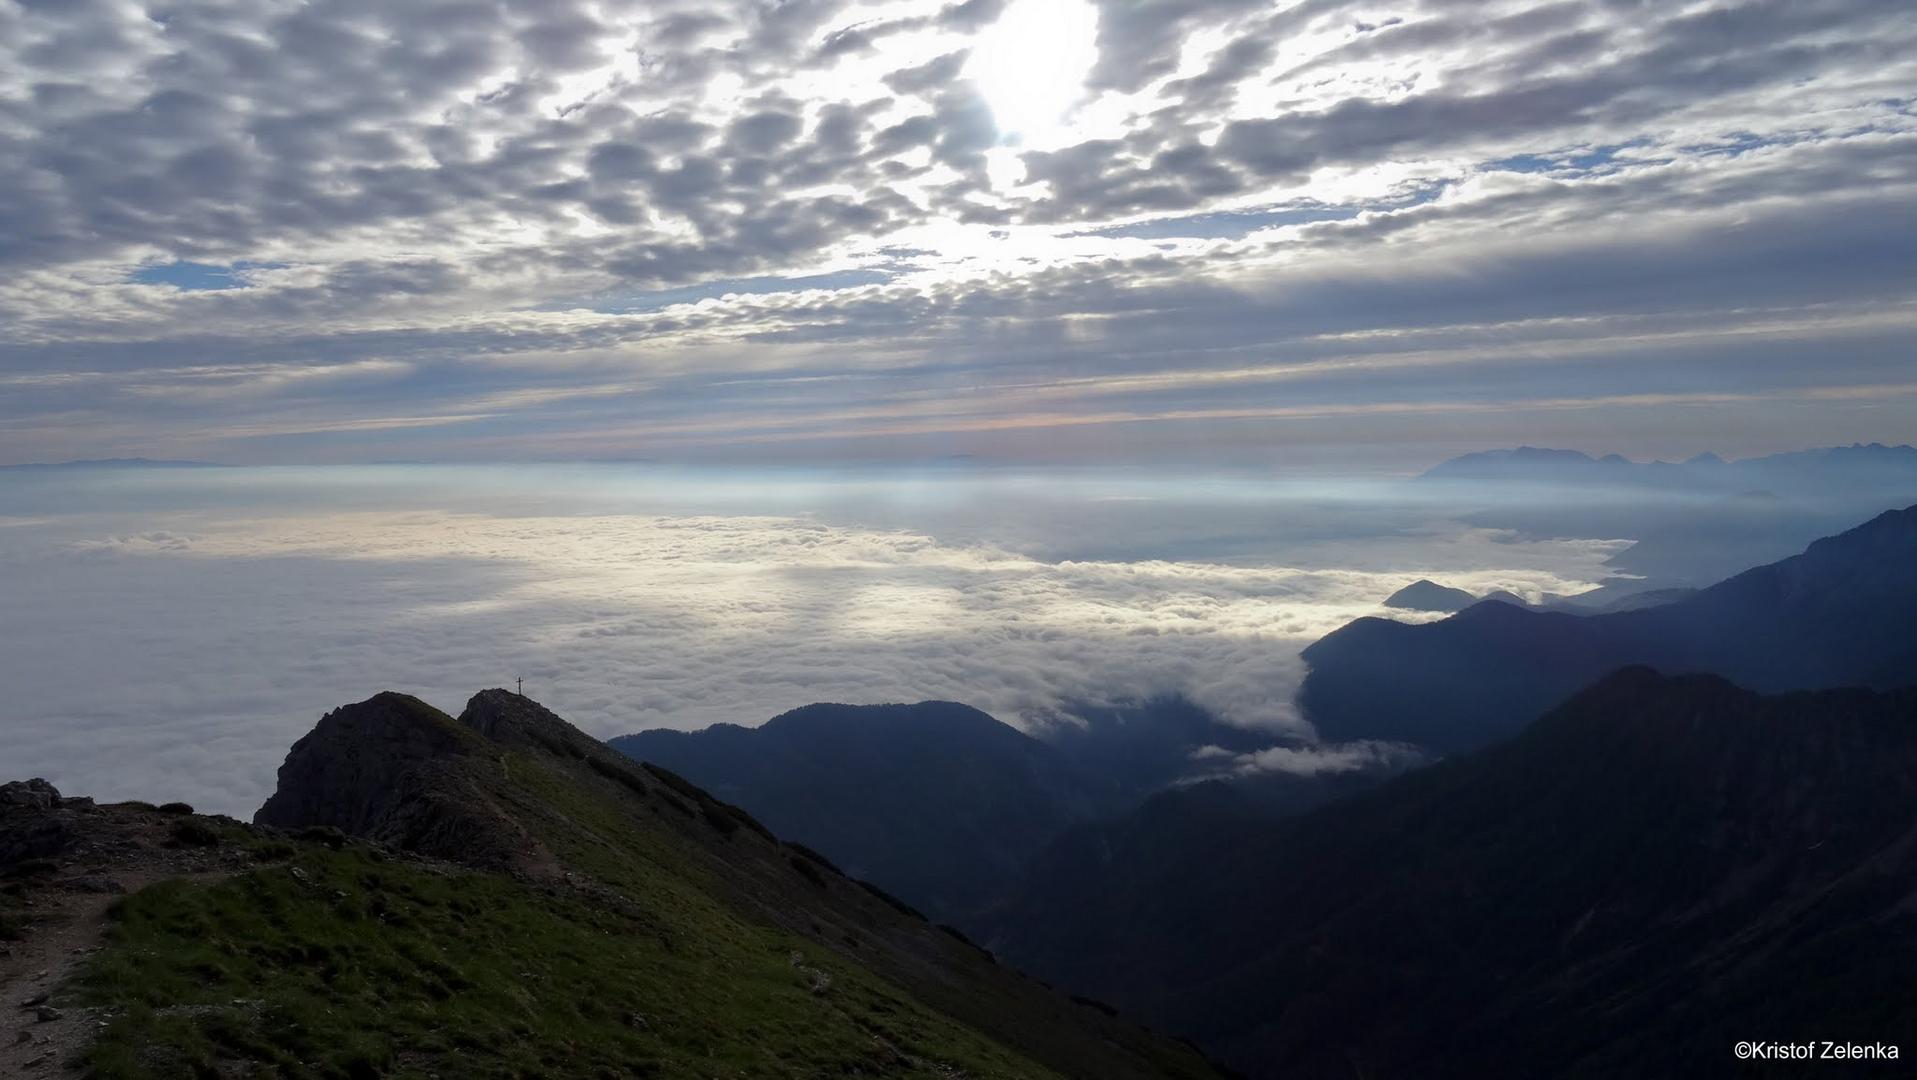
(198, 277)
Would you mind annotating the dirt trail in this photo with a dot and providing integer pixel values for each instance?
(59, 900)
(67, 928)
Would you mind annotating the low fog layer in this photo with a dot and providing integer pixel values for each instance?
(174, 631)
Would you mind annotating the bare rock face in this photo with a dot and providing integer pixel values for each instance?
(395, 769)
(35, 793)
(353, 769)
(513, 720)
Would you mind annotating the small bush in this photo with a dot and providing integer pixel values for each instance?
(174, 808)
(191, 833)
(323, 834)
(716, 817)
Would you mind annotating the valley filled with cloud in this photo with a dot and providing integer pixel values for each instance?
(179, 648)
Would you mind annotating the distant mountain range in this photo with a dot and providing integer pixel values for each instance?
(1691, 523)
(1658, 868)
(1792, 470)
(1842, 613)
(109, 463)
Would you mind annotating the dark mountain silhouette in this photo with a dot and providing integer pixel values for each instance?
(944, 805)
(1427, 595)
(1656, 869)
(1842, 613)
(499, 896)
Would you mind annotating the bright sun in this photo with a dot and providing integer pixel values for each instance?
(1031, 65)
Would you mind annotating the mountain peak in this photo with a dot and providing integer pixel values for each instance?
(1427, 595)
(515, 720)
(392, 768)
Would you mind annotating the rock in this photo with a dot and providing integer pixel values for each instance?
(23, 1036)
(38, 836)
(48, 1014)
(37, 999)
(36, 793)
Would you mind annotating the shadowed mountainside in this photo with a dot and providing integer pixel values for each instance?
(944, 805)
(1659, 867)
(1842, 613)
(938, 802)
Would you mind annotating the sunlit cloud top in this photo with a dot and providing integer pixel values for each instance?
(1035, 229)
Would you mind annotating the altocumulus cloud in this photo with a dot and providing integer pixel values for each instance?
(181, 657)
(348, 230)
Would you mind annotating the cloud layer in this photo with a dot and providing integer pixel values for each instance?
(345, 230)
(177, 650)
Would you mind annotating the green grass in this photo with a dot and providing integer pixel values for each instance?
(372, 966)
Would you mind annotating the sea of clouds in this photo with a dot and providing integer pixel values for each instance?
(169, 633)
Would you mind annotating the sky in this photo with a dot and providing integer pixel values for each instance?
(1023, 231)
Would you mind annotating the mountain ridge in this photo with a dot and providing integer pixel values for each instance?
(1842, 612)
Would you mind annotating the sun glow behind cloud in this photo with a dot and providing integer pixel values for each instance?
(1030, 66)
(526, 210)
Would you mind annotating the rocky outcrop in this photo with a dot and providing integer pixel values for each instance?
(394, 769)
(35, 793)
(28, 829)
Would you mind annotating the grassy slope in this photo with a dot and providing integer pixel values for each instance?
(367, 965)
